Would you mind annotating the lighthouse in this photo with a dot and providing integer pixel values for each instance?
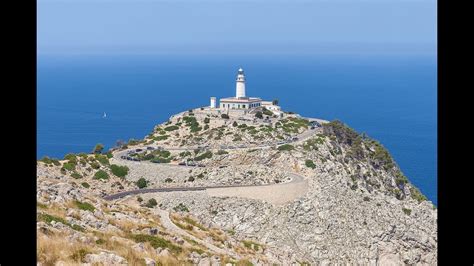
(240, 101)
(240, 85)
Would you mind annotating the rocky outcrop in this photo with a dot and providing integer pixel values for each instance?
(357, 208)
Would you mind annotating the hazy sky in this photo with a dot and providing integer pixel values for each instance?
(229, 26)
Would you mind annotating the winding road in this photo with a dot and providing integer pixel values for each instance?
(273, 193)
(277, 194)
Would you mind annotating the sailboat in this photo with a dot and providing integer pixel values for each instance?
(105, 115)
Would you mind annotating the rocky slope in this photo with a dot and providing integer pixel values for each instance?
(359, 208)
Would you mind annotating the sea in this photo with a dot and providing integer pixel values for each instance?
(391, 98)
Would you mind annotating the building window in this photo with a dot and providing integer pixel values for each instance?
(243, 106)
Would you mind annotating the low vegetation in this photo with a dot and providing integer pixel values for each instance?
(119, 171)
(151, 203)
(286, 147)
(98, 148)
(101, 174)
(141, 183)
(50, 161)
(47, 218)
(416, 194)
(205, 155)
(84, 206)
(157, 242)
(310, 164)
(406, 211)
(181, 208)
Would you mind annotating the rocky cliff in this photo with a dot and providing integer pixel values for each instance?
(282, 192)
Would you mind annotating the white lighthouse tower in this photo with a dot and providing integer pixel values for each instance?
(240, 86)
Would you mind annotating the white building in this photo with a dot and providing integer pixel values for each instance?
(270, 106)
(240, 101)
(213, 102)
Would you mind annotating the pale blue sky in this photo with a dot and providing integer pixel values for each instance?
(229, 26)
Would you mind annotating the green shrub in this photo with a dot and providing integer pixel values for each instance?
(69, 166)
(95, 165)
(139, 199)
(168, 180)
(162, 153)
(141, 183)
(181, 207)
(191, 179)
(310, 164)
(157, 242)
(225, 116)
(103, 159)
(366, 198)
(267, 112)
(109, 155)
(221, 152)
(185, 153)
(84, 206)
(161, 160)
(258, 114)
(151, 203)
(207, 120)
(406, 211)
(100, 241)
(286, 147)
(206, 155)
(83, 161)
(195, 128)
(48, 160)
(85, 184)
(235, 124)
(98, 148)
(171, 128)
(76, 175)
(71, 158)
(120, 171)
(101, 174)
(162, 137)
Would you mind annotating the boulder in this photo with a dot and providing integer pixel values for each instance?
(150, 262)
(105, 258)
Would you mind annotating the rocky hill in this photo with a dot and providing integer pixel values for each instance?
(252, 191)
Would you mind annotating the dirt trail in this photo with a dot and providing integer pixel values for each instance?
(171, 227)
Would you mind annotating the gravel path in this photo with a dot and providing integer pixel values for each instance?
(277, 194)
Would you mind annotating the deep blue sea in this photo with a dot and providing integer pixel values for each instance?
(391, 98)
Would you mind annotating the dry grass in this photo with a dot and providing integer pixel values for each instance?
(51, 249)
(57, 210)
(54, 248)
(124, 225)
